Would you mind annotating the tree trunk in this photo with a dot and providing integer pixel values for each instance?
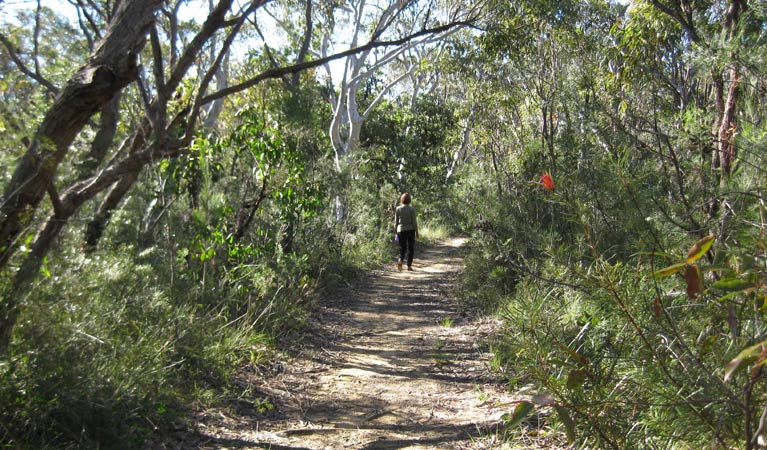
(726, 110)
(109, 117)
(111, 67)
(71, 201)
(724, 147)
(461, 149)
(99, 223)
(27, 272)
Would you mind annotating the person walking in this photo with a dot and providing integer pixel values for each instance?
(406, 227)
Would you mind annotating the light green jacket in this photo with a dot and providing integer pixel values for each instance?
(404, 219)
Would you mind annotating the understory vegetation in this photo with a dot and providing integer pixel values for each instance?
(631, 289)
(606, 159)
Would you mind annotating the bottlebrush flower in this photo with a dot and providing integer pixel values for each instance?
(547, 181)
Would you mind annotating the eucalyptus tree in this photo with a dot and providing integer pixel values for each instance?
(639, 94)
(171, 78)
(540, 61)
(343, 26)
(722, 38)
(715, 43)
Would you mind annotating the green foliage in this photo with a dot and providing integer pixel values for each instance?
(180, 296)
(630, 300)
(408, 146)
(632, 294)
(625, 342)
(114, 356)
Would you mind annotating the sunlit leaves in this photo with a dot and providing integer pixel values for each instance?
(521, 412)
(670, 270)
(525, 409)
(567, 420)
(691, 272)
(699, 249)
(753, 354)
(733, 285)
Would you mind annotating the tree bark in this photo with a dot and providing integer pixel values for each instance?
(69, 203)
(111, 67)
(724, 148)
(99, 223)
(110, 116)
(727, 125)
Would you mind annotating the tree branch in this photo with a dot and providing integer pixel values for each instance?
(279, 72)
(9, 47)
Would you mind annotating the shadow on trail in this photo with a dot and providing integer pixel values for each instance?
(461, 433)
(433, 363)
(390, 364)
(233, 444)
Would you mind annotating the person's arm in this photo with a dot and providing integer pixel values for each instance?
(415, 222)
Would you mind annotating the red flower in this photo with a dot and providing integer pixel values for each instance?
(547, 181)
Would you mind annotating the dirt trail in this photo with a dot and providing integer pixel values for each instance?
(393, 366)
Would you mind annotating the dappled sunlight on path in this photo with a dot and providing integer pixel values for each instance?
(393, 366)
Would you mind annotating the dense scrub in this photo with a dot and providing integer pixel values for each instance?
(634, 312)
(216, 261)
(177, 237)
(632, 290)
(617, 319)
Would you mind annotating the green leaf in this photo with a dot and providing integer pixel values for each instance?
(44, 268)
(670, 270)
(567, 421)
(733, 285)
(744, 358)
(577, 357)
(520, 413)
(699, 249)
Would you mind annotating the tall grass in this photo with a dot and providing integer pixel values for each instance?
(108, 353)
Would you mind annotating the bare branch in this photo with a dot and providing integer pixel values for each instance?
(10, 48)
(279, 72)
(161, 102)
(200, 99)
(306, 41)
(36, 40)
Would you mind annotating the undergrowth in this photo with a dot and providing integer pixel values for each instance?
(648, 339)
(117, 358)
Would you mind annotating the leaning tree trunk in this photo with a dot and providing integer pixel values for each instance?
(98, 224)
(108, 119)
(111, 67)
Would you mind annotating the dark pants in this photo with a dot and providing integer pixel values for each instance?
(406, 246)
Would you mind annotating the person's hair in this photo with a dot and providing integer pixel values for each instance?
(405, 199)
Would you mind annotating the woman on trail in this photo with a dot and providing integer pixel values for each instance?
(406, 227)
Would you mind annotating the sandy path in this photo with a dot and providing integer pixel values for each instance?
(393, 366)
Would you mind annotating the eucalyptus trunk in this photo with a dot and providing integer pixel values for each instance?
(111, 67)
